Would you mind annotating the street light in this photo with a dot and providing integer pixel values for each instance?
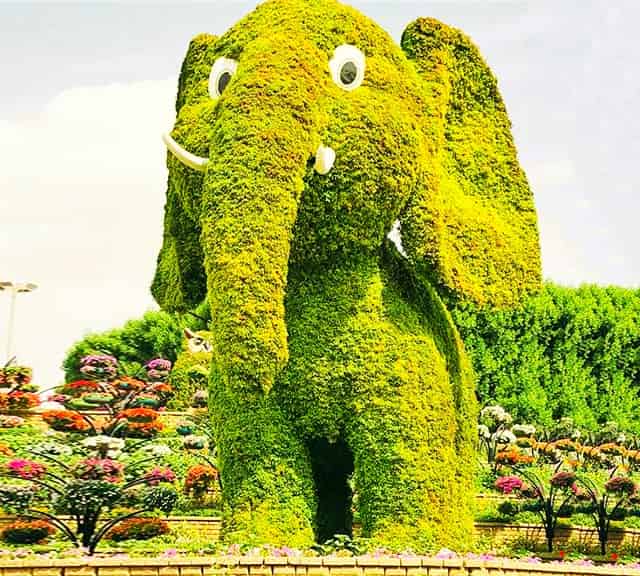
(15, 288)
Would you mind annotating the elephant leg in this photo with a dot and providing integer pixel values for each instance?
(266, 474)
(409, 468)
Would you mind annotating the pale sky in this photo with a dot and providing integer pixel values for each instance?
(86, 90)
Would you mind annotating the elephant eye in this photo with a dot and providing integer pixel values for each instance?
(347, 67)
(221, 73)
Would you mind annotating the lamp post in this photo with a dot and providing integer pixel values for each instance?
(14, 288)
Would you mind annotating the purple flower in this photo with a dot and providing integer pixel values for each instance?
(158, 364)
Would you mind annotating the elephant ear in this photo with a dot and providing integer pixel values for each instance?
(472, 222)
(179, 282)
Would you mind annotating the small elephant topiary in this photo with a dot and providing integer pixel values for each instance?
(302, 135)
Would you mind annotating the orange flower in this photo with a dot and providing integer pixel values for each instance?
(65, 421)
(138, 415)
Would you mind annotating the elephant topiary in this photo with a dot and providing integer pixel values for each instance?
(302, 135)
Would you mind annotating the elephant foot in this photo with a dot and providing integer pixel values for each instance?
(270, 523)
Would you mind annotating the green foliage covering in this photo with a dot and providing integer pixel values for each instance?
(156, 334)
(320, 336)
(473, 220)
(565, 352)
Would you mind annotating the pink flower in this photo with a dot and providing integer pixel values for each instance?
(446, 554)
(26, 469)
(158, 475)
(508, 484)
(170, 553)
(100, 469)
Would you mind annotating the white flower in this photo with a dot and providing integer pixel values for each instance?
(483, 432)
(495, 415)
(103, 442)
(158, 449)
(506, 437)
(90, 442)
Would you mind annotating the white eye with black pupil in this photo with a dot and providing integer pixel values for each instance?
(221, 72)
(347, 67)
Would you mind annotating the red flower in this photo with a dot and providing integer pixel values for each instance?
(80, 386)
(562, 554)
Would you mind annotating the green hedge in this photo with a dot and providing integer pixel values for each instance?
(565, 352)
(156, 334)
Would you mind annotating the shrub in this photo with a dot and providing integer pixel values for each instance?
(26, 531)
(138, 529)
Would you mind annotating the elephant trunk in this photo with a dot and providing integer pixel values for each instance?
(263, 138)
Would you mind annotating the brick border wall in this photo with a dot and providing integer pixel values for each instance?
(280, 566)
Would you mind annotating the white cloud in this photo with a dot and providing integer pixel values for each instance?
(81, 196)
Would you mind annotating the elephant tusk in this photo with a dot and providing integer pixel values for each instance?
(325, 157)
(191, 160)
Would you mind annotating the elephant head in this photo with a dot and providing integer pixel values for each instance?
(302, 135)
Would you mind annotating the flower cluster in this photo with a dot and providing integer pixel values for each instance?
(138, 529)
(194, 442)
(79, 387)
(494, 416)
(563, 479)
(15, 376)
(65, 421)
(99, 366)
(157, 475)
(513, 456)
(18, 400)
(26, 469)
(620, 485)
(128, 384)
(509, 484)
(200, 478)
(106, 446)
(157, 370)
(26, 531)
(138, 422)
(139, 415)
(104, 469)
(10, 421)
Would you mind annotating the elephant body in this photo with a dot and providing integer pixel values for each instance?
(370, 389)
(302, 135)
